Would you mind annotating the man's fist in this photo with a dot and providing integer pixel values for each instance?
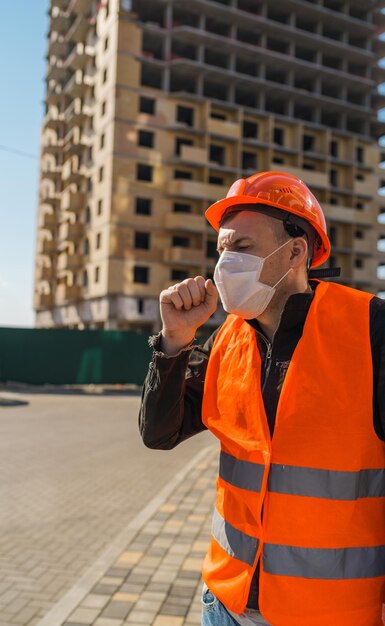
(183, 308)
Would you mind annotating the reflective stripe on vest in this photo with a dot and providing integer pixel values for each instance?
(234, 542)
(324, 563)
(321, 563)
(303, 481)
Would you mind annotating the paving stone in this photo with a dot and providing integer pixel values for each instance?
(168, 620)
(25, 615)
(107, 621)
(156, 580)
(117, 609)
(84, 616)
(126, 597)
(95, 600)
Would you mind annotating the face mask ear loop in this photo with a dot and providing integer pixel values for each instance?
(284, 276)
(276, 250)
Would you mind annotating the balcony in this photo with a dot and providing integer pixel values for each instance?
(49, 221)
(76, 113)
(71, 231)
(43, 300)
(51, 198)
(338, 213)
(310, 177)
(69, 261)
(74, 142)
(58, 46)
(78, 84)
(48, 246)
(45, 272)
(53, 119)
(74, 172)
(194, 155)
(222, 128)
(67, 292)
(195, 189)
(78, 29)
(52, 173)
(184, 221)
(53, 95)
(73, 201)
(56, 70)
(79, 56)
(60, 20)
(53, 147)
(363, 246)
(368, 187)
(184, 256)
(80, 6)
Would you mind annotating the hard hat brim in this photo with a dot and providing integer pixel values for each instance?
(215, 213)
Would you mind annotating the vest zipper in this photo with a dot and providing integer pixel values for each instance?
(267, 360)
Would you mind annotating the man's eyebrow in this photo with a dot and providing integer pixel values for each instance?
(233, 243)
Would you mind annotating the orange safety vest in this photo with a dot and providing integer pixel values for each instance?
(320, 479)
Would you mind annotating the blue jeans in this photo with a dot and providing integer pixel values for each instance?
(214, 613)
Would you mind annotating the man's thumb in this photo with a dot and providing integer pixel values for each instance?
(211, 289)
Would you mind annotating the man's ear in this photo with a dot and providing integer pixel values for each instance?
(299, 252)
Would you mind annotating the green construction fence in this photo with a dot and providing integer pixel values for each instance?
(62, 356)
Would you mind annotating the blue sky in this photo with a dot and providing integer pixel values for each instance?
(23, 46)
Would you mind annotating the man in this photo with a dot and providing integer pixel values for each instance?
(292, 384)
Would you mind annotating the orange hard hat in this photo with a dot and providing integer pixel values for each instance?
(283, 191)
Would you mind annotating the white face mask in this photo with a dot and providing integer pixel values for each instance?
(237, 276)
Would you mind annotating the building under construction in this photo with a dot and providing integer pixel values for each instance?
(154, 108)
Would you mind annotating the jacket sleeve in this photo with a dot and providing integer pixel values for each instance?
(377, 340)
(172, 395)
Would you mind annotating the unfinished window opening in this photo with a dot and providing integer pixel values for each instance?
(246, 98)
(331, 32)
(277, 45)
(184, 18)
(305, 24)
(180, 242)
(250, 130)
(276, 76)
(303, 112)
(356, 125)
(147, 105)
(331, 90)
(305, 54)
(217, 154)
(148, 11)
(274, 105)
(217, 91)
(248, 36)
(250, 6)
(152, 45)
(182, 81)
(244, 66)
(304, 83)
(185, 115)
(179, 142)
(183, 50)
(217, 58)
(249, 160)
(218, 28)
(331, 119)
(151, 76)
(181, 207)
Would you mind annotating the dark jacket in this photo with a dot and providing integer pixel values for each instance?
(172, 393)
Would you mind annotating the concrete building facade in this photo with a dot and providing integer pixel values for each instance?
(153, 109)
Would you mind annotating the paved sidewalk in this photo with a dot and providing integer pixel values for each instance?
(155, 579)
